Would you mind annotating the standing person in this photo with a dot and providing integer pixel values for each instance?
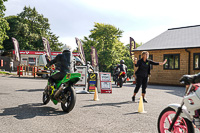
(142, 73)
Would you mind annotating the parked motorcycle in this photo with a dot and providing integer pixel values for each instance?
(63, 91)
(182, 118)
(121, 79)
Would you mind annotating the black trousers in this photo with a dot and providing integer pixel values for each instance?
(141, 81)
(57, 76)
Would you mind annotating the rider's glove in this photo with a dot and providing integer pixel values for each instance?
(47, 66)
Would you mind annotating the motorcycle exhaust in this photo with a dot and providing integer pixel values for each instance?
(58, 91)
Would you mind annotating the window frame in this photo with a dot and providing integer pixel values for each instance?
(174, 61)
(194, 54)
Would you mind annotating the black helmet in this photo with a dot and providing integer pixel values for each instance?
(66, 50)
(121, 61)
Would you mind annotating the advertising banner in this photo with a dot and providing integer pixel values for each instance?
(80, 50)
(94, 57)
(28, 52)
(16, 46)
(132, 47)
(47, 47)
(105, 82)
(92, 82)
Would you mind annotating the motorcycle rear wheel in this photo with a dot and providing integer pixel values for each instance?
(182, 125)
(120, 83)
(70, 100)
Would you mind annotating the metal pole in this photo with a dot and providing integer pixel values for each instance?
(34, 71)
(19, 70)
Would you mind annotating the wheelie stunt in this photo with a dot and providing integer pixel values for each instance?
(182, 118)
(122, 73)
(61, 82)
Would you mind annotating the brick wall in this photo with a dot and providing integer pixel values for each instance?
(171, 77)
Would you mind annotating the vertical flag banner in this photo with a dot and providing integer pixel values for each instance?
(16, 46)
(94, 57)
(132, 47)
(80, 50)
(47, 47)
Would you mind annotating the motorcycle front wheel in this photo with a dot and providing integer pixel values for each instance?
(46, 97)
(182, 125)
(69, 100)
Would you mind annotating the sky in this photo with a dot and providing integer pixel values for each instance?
(141, 19)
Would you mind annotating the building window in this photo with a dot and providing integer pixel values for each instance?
(173, 61)
(32, 61)
(196, 62)
(150, 57)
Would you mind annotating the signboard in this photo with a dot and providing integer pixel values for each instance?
(83, 71)
(92, 82)
(105, 82)
(42, 52)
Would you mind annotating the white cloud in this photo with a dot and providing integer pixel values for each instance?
(69, 41)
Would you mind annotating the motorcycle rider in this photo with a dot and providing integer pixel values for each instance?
(66, 65)
(89, 67)
(122, 68)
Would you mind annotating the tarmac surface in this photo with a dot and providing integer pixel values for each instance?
(21, 109)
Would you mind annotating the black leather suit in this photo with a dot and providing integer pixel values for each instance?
(65, 61)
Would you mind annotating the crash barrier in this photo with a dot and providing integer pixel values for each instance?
(31, 70)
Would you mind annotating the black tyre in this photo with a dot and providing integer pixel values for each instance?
(45, 98)
(44, 76)
(120, 83)
(165, 119)
(69, 100)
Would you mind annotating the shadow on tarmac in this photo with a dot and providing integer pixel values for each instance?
(27, 77)
(132, 113)
(174, 90)
(110, 104)
(31, 90)
(4, 93)
(28, 111)
(126, 85)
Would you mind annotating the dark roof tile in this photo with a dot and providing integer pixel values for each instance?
(175, 38)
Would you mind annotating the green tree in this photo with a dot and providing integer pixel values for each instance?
(28, 28)
(4, 26)
(105, 38)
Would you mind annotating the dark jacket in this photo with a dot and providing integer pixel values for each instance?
(122, 68)
(144, 67)
(64, 60)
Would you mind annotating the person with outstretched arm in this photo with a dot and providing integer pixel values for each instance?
(143, 72)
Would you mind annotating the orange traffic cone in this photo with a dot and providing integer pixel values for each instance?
(141, 106)
(128, 79)
(96, 95)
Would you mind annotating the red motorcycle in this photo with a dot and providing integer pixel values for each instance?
(121, 79)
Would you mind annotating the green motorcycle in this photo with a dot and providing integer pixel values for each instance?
(62, 92)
